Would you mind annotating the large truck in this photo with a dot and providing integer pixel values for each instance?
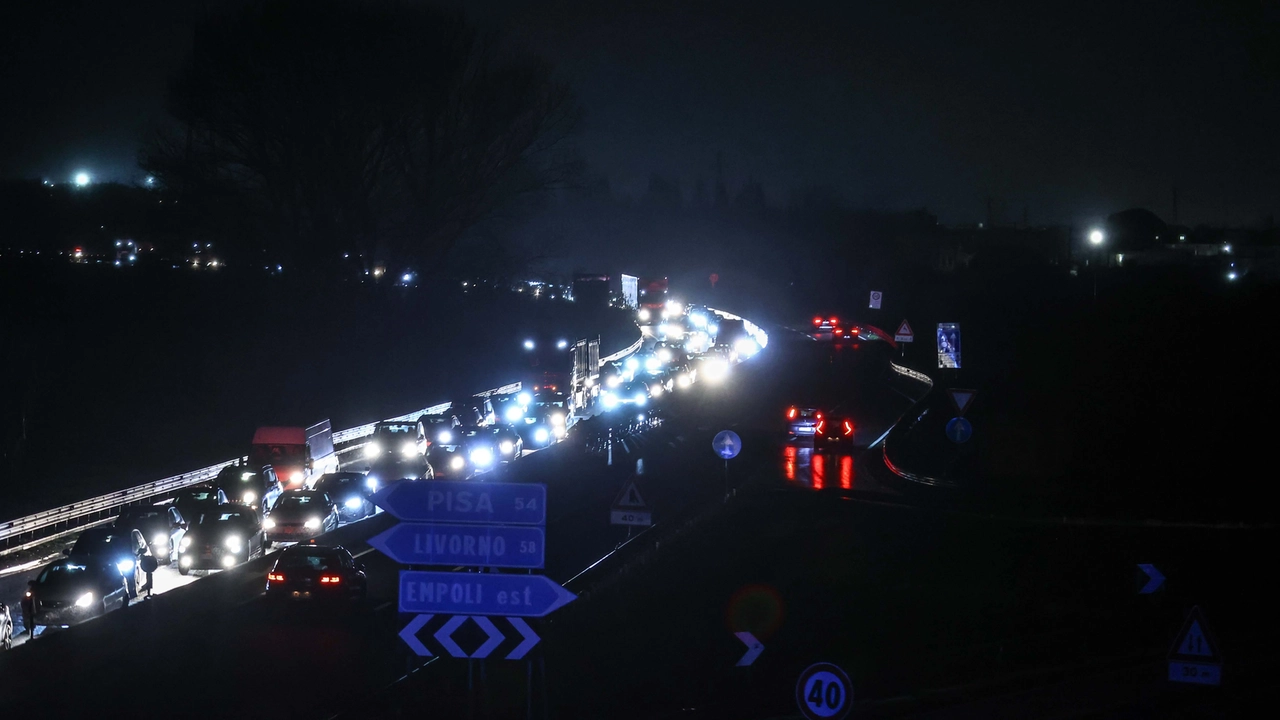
(653, 292)
(298, 455)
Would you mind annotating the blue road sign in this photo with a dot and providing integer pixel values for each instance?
(1154, 579)
(1194, 656)
(504, 546)
(959, 430)
(480, 594)
(727, 444)
(465, 502)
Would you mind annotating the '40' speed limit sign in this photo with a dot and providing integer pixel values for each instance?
(824, 691)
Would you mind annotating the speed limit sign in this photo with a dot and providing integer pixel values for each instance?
(824, 691)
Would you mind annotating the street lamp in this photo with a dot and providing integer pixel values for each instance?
(1096, 238)
(82, 179)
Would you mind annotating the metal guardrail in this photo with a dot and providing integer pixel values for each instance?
(633, 347)
(24, 532)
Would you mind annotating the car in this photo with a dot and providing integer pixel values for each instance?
(480, 447)
(193, 501)
(351, 491)
(224, 537)
(244, 486)
(512, 408)
(69, 591)
(439, 429)
(6, 627)
(473, 411)
(162, 526)
(449, 461)
(122, 548)
(392, 467)
(635, 393)
(301, 515)
(543, 426)
(510, 444)
(317, 572)
(406, 439)
(818, 425)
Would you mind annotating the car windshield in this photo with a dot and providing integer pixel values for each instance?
(310, 561)
(292, 501)
(63, 573)
(224, 516)
(201, 495)
(398, 430)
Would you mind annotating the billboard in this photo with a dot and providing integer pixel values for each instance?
(631, 290)
(949, 345)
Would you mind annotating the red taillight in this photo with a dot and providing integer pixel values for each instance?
(834, 321)
(275, 577)
(848, 428)
(330, 579)
(818, 416)
(856, 330)
(817, 321)
(791, 414)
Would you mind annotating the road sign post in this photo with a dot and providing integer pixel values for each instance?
(904, 334)
(428, 592)
(727, 445)
(1194, 656)
(630, 509)
(824, 691)
(465, 502)
(876, 297)
(499, 546)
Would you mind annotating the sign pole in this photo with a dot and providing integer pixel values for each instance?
(528, 690)
(726, 477)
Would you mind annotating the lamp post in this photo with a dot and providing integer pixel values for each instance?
(1096, 239)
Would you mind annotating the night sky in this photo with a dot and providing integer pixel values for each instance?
(1073, 110)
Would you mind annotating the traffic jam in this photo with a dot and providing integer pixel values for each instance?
(293, 487)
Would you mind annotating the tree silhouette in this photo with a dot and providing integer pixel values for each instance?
(330, 126)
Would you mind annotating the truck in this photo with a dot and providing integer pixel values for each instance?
(298, 455)
(653, 292)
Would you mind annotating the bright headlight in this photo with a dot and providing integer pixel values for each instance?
(698, 319)
(481, 456)
(246, 475)
(297, 476)
(746, 347)
(457, 463)
(84, 600)
(652, 364)
(233, 543)
(541, 435)
(506, 447)
(444, 437)
(186, 543)
(632, 363)
(409, 449)
(372, 450)
(124, 566)
(641, 399)
(609, 400)
(249, 496)
(513, 414)
(656, 390)
(185, 561)
(354, 503)
(664, 355)
(644, 314)
(682, 380)
(371, 483)
(613, 381)
(312, 524)
(267, 524)
(524, 398)
(160, 539)
(557, 419)
(559, 431)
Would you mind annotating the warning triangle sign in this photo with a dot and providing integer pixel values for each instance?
(905, 329)
(629, 497)
(1194, 642)
(961, 399)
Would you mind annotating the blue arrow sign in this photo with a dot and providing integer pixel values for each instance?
(480, 594)
(465, 502)
(1154, 579)
(504, 546)
(959, 430)
(727, 444)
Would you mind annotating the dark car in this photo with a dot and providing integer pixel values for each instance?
(439, 429)
(634, 393)
(350, 490)
(120, 547)
(391, 467)
(317, 572)
(301, 515)
(544, 425)
(509, 442)
(162, 525)
(256, 488)
(407, 440)
(224, 537)
(808, 423)
(473, 411)
(195, 500)
(70, 591)
(6, 627)
(479, 447)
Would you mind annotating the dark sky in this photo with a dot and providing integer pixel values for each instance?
(1071, 109)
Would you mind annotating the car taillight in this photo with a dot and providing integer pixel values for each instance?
(856, 330)
(330, 579)
(275, 577)
(791, 414)
(817, 321)
(834, 321)
(837, 331)
(848, 428)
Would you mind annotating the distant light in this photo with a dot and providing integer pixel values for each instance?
(82, 179)
(1182, 237)
(134, 258)
(406, 277)
(1096, 237)
(528, 345)
(1232, 275)
(1226, 248)
(562, 344)
(151, 180)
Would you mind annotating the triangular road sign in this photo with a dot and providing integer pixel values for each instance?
(905, 329)
(629, 497)
(961, 399)
(1193, 642)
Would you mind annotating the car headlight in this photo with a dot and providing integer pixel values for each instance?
(541, 435)
(506, 447)
(482, 456)
(513, 414)
(312, 524)
(409, 449)
(371, 483)
(444, 437)
(640, 399)
(656, 390)
(746, 347)
(609, 400)
(664, 355)
(372, 450)
(84, 600)
(186, 543)
(297, 476)
(267, 524)
(354, 503)
(613, 381)
(559, 431)
(233, 543)
(644, 314)
(246, 475)
(631, 363)
(682, 380)
(160, 539)
(653, 364)
(250, 496)
(125, 566)
(557, 419)
(524, 398)
(457, 463)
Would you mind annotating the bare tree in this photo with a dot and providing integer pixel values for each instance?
(329, 126)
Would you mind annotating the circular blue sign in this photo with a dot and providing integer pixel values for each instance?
(727, 444)
(959, 430)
